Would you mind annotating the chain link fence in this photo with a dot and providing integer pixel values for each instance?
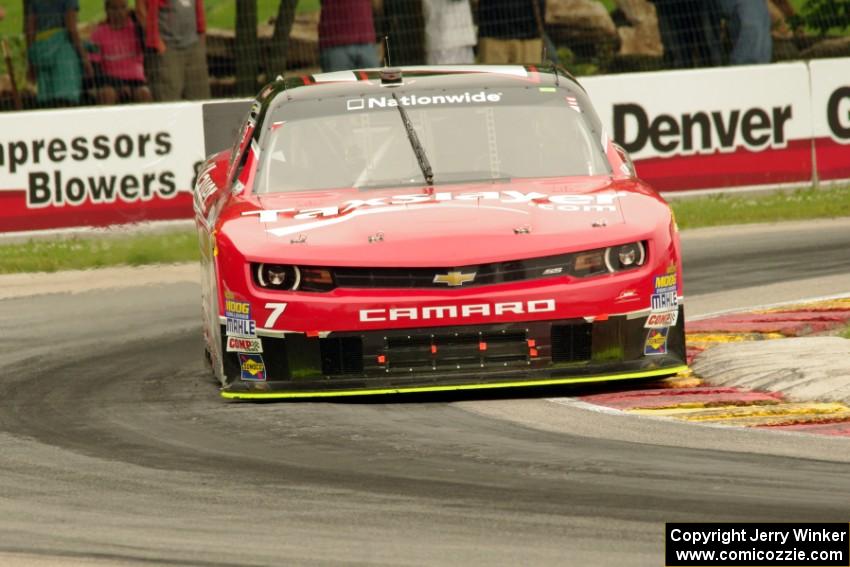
(248, 42)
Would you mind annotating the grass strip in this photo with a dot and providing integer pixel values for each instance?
(109, 249)
(726, 208)
(99, 251)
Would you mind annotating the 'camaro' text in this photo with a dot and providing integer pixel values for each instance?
(456, 311)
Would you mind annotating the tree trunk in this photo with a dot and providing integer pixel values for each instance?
(247, 48)
(279, 48)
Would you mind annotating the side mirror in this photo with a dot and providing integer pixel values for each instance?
(628, 164)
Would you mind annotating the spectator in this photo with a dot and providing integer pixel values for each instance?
(449, 32)
(404, 22)
(120, 58)
(689, 33)
(748, 24)
(346, 35)
(175, 48)
(56, 55)
(510, 31)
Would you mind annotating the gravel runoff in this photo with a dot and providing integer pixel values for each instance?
(805, 369)
(80, 281)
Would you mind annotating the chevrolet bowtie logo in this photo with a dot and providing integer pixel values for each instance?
(454, 279)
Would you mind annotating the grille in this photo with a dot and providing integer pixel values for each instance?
(341, 355)
(454, 351)
(485, 274)
(571, 343)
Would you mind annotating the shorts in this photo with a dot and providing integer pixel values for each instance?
(101, 81)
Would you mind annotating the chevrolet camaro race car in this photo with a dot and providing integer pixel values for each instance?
(423, 229)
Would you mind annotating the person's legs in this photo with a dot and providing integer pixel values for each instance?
(165, 75)
(141, 94)
(493, 51)
(106, 94)
(44, 84)
(336, 59)
(710, 17)
(363, 55)
(670, 27)
(196, 74)
(451, 56)
(751, 39)
(529, 51)
(58, 73)
(68, 77)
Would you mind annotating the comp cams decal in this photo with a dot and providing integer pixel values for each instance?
(252, 367)
(661, 320)
(244, 344)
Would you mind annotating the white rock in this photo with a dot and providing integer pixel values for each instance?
(804, 369)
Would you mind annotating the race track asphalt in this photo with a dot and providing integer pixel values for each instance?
(115, 448)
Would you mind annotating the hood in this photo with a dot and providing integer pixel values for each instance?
(451, 225)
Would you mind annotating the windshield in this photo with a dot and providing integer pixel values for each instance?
(366, 145)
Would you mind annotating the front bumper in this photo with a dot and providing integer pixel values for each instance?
(536, 353)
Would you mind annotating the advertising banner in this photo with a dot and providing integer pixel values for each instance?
(711, 128)
(98, 166)
(831, 117)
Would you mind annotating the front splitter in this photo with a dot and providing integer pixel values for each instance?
(269, 395)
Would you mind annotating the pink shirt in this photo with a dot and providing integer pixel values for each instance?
(119, 52)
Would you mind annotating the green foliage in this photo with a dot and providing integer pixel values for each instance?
(823, 15)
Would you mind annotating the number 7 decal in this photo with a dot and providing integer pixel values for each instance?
(277, 311)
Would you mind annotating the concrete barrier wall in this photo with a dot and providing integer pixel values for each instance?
(723, 129)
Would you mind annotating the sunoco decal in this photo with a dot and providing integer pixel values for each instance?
(372, 102)
(252, 367)
(656, 342)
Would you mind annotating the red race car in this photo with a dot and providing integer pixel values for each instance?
(425, 229)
